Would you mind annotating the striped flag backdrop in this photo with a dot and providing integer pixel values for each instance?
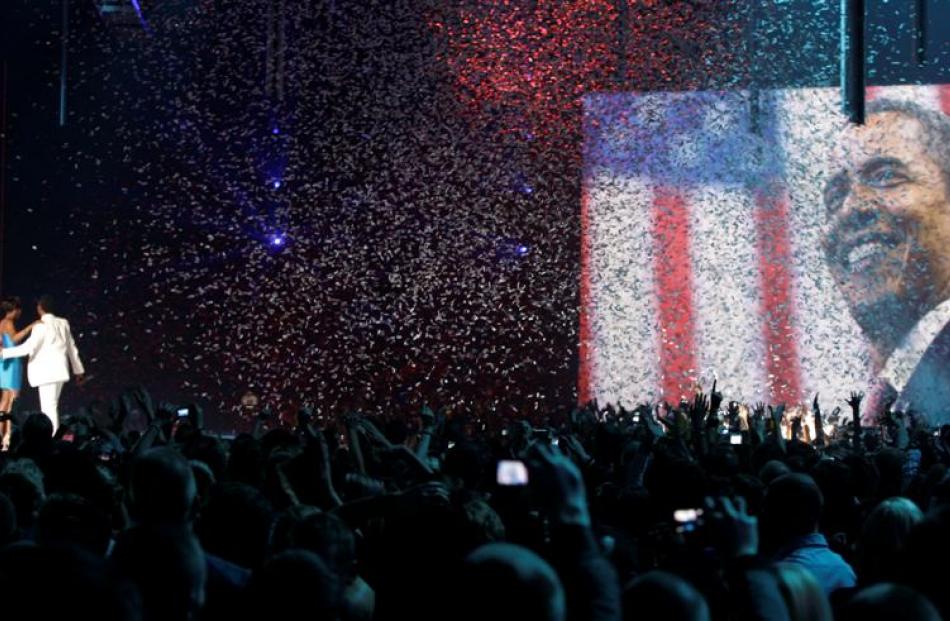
(701, 257)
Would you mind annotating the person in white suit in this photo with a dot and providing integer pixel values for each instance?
(51, 351)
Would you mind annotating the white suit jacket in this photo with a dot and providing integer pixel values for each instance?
(51, 350)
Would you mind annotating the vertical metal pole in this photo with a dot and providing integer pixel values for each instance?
(920, 33)
(853, 59)
(4, 95)
(62, 63)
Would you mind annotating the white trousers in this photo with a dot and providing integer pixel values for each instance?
(49, 401)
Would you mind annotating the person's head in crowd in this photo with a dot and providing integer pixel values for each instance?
(927, 551)
(8, 526)
(236, 524)
(803, 596)
(69, 519)
(167, 565)
(22, 482)
(285, 525)
(506, 582)
(772, 470)
(792, 507)
(36, 435)
(246, 461)
(61, 582)
(328, 536)
(46, 304)
(210, 451)
(889, 466)
(662, 596)
(888, 207)
(884, 537)
(204, 478)
(10, 308)
(938, 496)
(162, 488)
(886, 602)
(479, 523)
(295, 584)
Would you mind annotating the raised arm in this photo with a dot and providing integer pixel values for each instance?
(73, 354)
(29, 347)
(19, 336)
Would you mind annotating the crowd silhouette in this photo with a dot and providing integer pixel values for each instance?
(698, 510)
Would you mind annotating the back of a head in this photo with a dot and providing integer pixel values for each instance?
(884, 602)
(506, 582)
(167, 565)
(928, 547)
(663, 596)
(772, 470)
(22, 483)
(68, 519)
(47, 303)
(884, 537)
(804, 597)
(328, 536)
(236, 524)
(295, 584)
(37, 430)
(163, 488)
(9, 303)
(82, 586)
(8, 524)
(793, 505)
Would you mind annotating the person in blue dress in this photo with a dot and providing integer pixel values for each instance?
(11, 370)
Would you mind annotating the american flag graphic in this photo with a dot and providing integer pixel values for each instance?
(701, 255)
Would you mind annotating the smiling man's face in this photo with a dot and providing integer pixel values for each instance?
(888, 236)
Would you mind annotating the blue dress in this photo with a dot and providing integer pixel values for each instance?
(11, 370)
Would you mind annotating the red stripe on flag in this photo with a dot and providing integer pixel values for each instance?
(944, 94)
(585, 371)
(778, 312)
(674, 287)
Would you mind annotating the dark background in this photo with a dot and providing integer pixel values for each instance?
(428, 160)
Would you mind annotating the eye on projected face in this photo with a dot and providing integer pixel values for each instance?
(889, 216)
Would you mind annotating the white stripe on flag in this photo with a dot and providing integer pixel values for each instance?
(623, 322)
(727, 292)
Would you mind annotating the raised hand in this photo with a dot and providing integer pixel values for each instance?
(558, 485)
(648, 420)
(427, 416)
(715, 398)
(735, 532)
(732, 413)
(819, 424)
(697, 413)
(855, 401)
(757, 423)
(777, 413)
(797, 428)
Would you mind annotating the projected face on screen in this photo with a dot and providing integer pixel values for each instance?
(760, 240)
(888, 240)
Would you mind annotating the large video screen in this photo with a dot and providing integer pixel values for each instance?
(758, 239)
